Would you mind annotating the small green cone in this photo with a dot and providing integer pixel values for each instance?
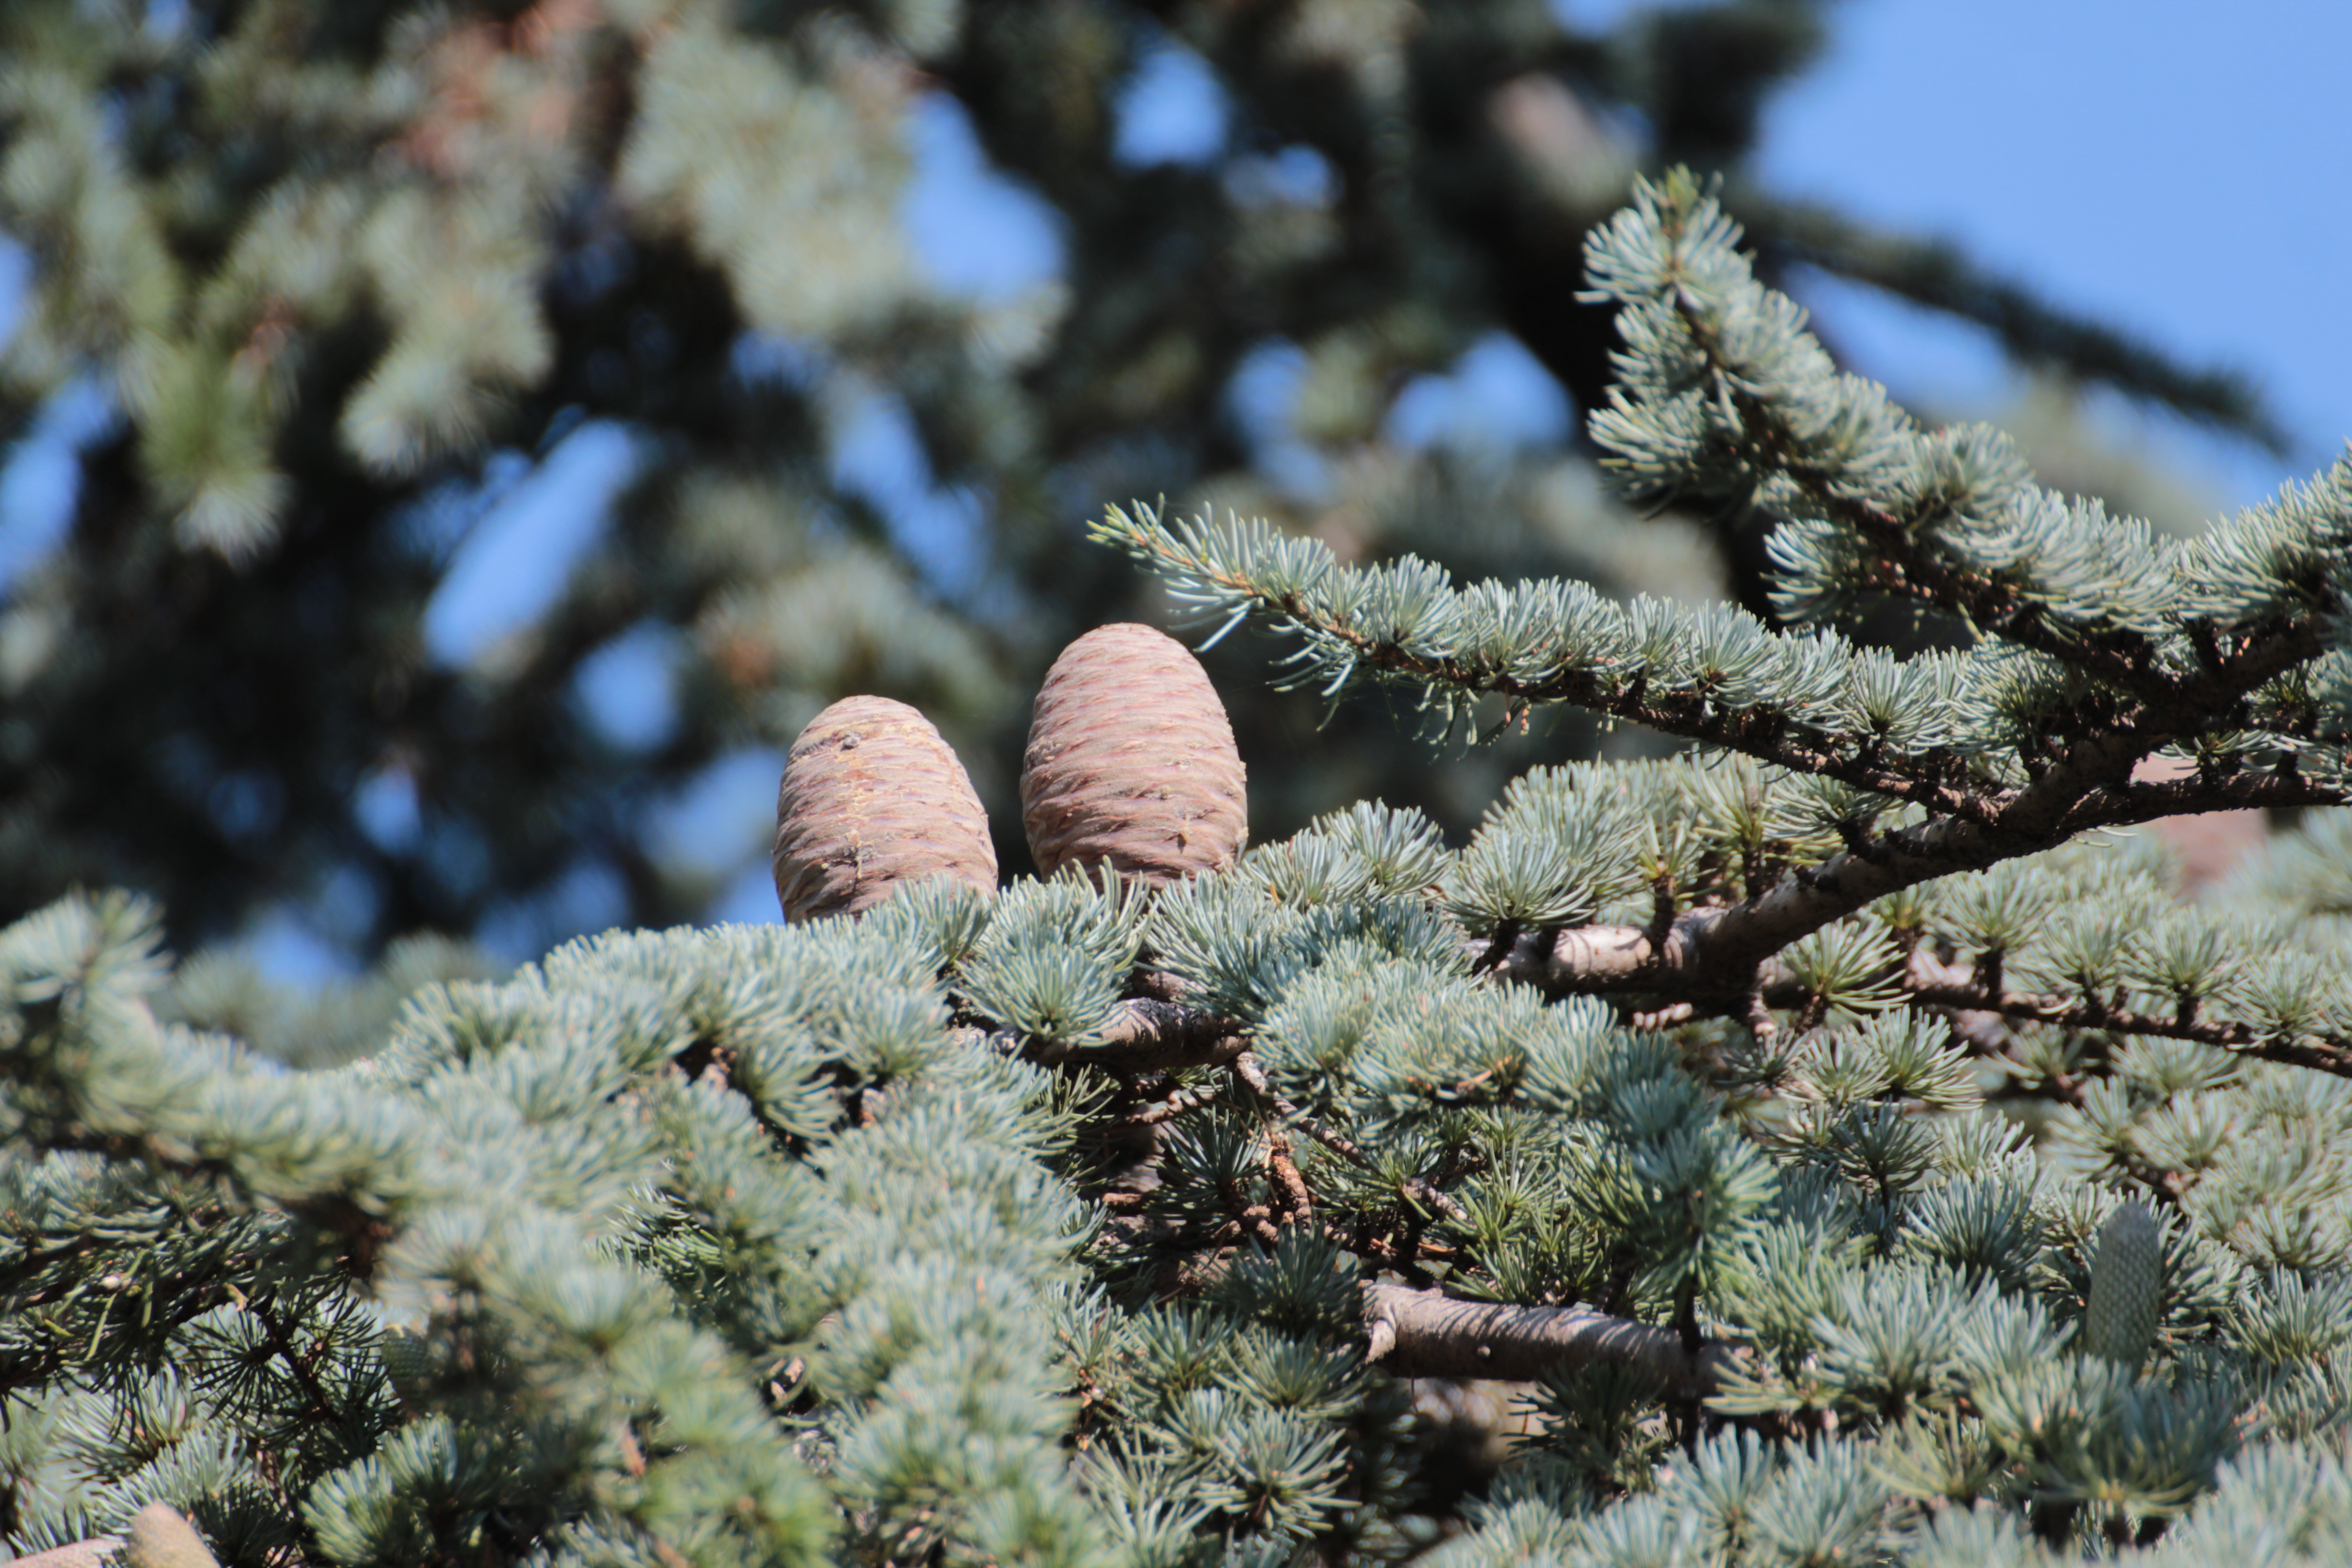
(161, 1537)
(2126, 1286)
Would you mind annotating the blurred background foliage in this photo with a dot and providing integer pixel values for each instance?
(491, 430)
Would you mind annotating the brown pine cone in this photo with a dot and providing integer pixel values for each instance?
(1131, 762)
(872, 798)
(161, 1537)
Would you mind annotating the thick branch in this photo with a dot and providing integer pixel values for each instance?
(1715, 955)
(1717, 958)
(1423, 1333)
(95, 1553)
(1150, 1036)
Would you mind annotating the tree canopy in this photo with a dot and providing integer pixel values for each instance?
(355, 286)
(1852, 1150)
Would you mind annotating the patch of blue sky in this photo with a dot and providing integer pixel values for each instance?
(1260, 400)
(1169, 109)
(513, 564)
(435, 524)
(590, 895)
(750, 898)
(1497, 396)
(316, 938)
(977, 231)
(385, 806)
(16, 281)
(2158, 163)
(1296, 176)
(795, 362)
(288, 947)
(41, 483)
(627, 690)
(723, 816)
(165, 21)
(877, 455)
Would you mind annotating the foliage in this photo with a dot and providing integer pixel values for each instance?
(354, 280)
(1705, 1089)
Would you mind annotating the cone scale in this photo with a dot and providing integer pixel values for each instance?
(873, 798)
(1131, 763)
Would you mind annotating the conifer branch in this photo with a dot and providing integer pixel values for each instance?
(1146, 1034)
(1239, 572)
(281, 1346)
(1713, 955)
(1932, 984)
(1245, 1068)
(1898, 567)
(1763, 731)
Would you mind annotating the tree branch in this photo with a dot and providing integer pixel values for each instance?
(1933, 983)
(1246, 1068)
(1715, 955)
(95, 1553)
(2123, 659)
(1426, 1333)
(1150, 1036)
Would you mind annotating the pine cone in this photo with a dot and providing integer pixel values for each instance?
(2126, 1286)
(98, 1552)
(161, 1537)
(1131, 762)
(872, 798)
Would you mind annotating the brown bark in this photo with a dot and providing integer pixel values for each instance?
(95, 1553)
(1426, 1333)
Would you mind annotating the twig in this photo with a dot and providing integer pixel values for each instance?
(1931, 983)
(1245, 1068)
(303, 1376)
(1289, 1182)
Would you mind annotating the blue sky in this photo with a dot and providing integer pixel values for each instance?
(2183, 170)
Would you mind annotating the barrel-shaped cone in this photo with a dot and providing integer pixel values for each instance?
(1131, 762)
(872, 798)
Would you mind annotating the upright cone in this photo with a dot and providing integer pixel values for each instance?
(872, 798)
(2120, 1319)
(161, 1537)
(1131, 762)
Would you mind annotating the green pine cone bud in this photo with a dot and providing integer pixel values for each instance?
(2126, 1286)
(161, 1537)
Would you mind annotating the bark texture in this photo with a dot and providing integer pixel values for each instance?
(96, 1553)
(1423, 1333)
